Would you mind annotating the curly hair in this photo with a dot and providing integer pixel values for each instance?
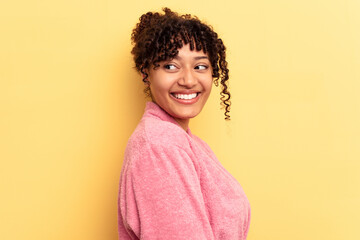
(157, 37)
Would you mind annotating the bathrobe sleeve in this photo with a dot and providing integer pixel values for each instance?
(161, 196)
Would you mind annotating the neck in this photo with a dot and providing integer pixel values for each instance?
(184, 123)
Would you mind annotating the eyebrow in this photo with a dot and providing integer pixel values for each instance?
(201, 57)
(196, 58)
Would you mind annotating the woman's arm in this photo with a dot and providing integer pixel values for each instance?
(161, 196)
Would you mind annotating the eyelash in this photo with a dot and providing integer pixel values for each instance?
(205, 67)
(167, 66)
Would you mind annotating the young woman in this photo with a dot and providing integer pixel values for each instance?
(172, 186)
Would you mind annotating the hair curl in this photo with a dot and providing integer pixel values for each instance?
(157, 37)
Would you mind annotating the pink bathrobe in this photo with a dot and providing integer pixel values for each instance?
(173, 187)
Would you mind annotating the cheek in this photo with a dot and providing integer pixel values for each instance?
(207, 83)
(159, 88)
(162, 82)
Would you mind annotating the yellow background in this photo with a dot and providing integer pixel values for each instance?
(70, 98)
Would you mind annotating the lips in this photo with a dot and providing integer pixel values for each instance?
(185, 97)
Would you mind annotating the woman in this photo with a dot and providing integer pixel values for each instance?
(171, 185)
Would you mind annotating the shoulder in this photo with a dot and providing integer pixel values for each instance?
(153, 133)
(159, 146)
(201, 142)
(203, 145)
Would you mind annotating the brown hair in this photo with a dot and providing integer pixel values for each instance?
(157, 37)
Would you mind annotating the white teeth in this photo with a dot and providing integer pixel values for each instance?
(185, 96)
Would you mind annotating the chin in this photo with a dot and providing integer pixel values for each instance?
(185, 115)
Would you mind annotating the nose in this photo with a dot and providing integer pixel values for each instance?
(187, 79)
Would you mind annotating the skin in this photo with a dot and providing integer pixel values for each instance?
(188, 73)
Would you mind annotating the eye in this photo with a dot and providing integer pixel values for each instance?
(170, 66)
(201, 67)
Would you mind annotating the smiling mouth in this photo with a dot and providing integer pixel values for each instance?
(185, 96)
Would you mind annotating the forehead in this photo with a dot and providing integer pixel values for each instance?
(185, 52)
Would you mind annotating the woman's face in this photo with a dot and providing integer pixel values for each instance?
(181, 86)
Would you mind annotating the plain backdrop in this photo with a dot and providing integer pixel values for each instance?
(70, 98)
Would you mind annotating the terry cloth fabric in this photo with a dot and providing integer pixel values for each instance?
(172, 186)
